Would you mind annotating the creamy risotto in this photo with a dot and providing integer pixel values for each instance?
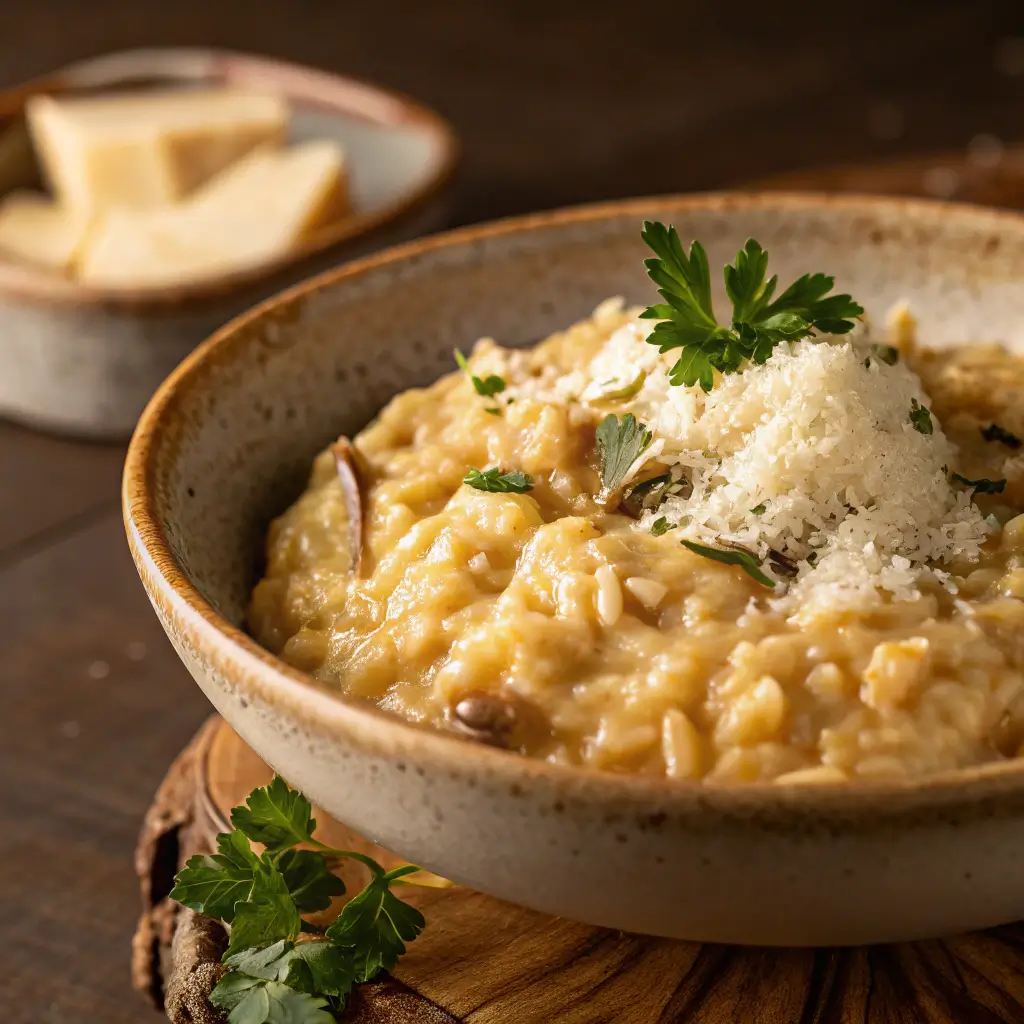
(811, 572)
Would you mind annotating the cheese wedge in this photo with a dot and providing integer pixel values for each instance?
(34, 229)
(254, 212)
(141, 150)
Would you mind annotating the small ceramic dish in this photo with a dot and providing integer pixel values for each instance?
(84, 360)
(227, 443)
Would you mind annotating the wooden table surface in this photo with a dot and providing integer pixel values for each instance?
(557, 103)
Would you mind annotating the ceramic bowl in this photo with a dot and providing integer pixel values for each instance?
(227, 443)
(84, 360)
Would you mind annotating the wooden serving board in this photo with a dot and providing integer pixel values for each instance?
(484, 961)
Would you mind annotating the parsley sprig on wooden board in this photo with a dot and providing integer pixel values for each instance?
(280, 967)
(758, 324)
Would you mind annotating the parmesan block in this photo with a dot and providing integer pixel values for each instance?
(141, 150)
(256, 211)
(34, 229)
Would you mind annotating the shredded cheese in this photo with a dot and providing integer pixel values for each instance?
(812, 455)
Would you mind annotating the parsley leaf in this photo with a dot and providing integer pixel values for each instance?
(310, 883)
(744, 559)
(318, 967)
(270, 963)
(233, 988)
(759, 510)
(920, 417)
(687, 319)
(376, 925)
(256, 1001)
(214, 884)
(496, 482)
(997, 433)
(276, 816)
(661, 525)
(619, 445)
(488, 386)
(982, 486)
(321, 967)
(268, 915)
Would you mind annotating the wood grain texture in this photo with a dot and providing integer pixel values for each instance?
(50, 488)
(557, 103)
(483, 961)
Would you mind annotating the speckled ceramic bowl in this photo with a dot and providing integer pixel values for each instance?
(227, 443)
(85, 360)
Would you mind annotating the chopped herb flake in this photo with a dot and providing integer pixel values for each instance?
(488, 386)
(920, 417)
(497, 482)
(661, 525)
(996, 433)
(759, 510)
(744, 559)
(982, 486)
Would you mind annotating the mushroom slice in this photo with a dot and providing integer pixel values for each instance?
(485, 717)
(351, 486)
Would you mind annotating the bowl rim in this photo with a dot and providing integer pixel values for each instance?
(968, 791)
(365, 100)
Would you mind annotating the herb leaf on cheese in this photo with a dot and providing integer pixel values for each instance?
(982, 486)
(758, 324)
(920, 417)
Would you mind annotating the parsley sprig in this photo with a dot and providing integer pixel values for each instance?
(758, 324)
(272, 976)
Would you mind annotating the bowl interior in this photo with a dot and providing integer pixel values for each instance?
(228, 442)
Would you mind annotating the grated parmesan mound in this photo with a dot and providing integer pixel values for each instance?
(852, 492)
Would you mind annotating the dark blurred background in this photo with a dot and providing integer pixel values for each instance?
(562, 102)
(556, 103)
